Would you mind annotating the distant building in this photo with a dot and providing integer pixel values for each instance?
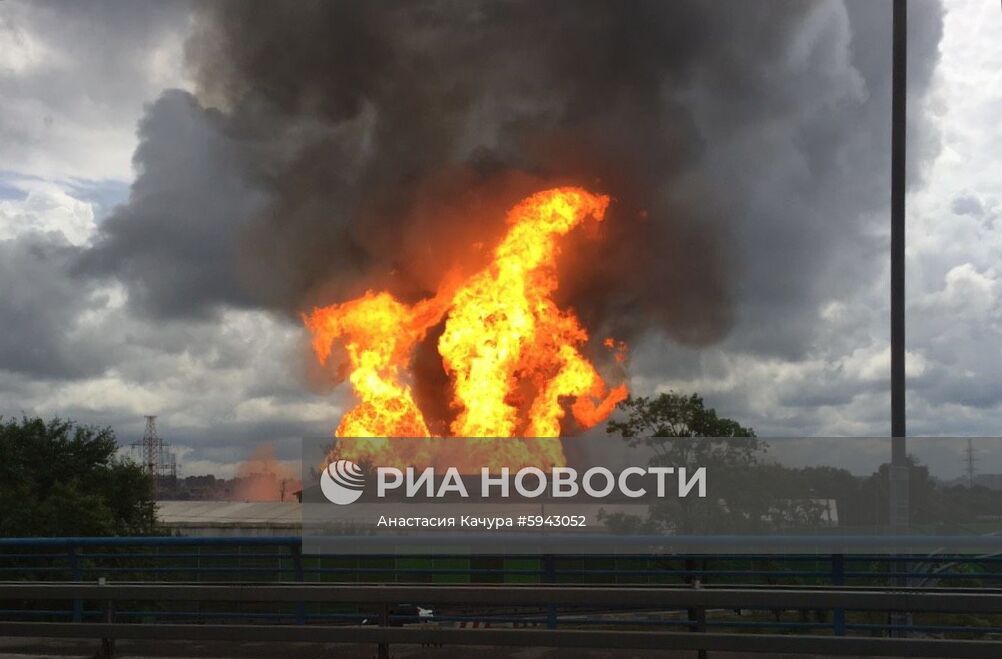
(265, 486)
(991, 481)
(230, 518)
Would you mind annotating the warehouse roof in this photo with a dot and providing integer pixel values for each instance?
(203, 514)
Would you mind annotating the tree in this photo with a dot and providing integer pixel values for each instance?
(674, 415)
(681, 431)
(748, 494)
(61, 479)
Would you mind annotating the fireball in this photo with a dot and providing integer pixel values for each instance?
(514, 358)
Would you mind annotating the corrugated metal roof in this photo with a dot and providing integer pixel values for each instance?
(229, 513)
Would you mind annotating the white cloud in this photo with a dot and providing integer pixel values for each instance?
(21, 52)
(45, 208)
(967, 291)
(74, 80)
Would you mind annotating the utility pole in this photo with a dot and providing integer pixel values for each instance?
(899, 452)
(899, 472)
(152, 451)
(156, 457)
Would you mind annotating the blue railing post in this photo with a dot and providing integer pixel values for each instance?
(696, 615)
(73, 558)
(550, 577)
(838, 579)
(297, 567)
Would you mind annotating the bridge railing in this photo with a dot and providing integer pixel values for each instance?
(383, 631)
(280, 559)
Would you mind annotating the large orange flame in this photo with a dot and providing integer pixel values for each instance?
(513, 355)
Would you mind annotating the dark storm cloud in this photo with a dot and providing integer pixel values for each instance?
(392, 137)
(744, 144)
(40, 304)
(174, 242)
(808, 183)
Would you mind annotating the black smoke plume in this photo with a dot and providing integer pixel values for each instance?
(332, 147)
(392, 136)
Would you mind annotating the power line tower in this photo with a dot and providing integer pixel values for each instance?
(156, 457)
(970, 460)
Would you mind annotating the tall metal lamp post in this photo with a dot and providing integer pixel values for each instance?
(899, 461)
(898, 486)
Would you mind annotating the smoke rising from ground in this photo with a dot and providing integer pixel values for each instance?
(262, 477)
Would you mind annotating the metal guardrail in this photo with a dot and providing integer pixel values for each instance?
(281, 558)
(859, 599)
(240, 560)
(527, 596)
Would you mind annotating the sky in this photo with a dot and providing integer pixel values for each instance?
(135, 169)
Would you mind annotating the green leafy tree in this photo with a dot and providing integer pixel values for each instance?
(674, 415)
(681, 431)
(747, 494)
(61, 479)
